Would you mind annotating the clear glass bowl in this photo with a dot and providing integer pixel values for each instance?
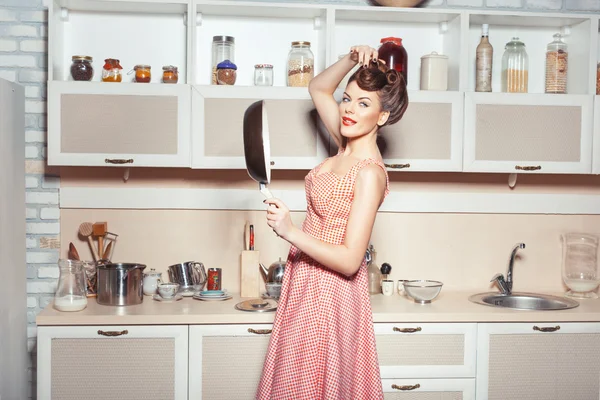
(423, 291)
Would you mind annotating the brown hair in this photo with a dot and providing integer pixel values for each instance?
(389, 85)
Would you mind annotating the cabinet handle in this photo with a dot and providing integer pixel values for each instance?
(113, 333)
(260, 331)
(118, 161)
(398, 166)
(548, 329)
(406, 387)
(408, 330)
(272, 162)
(528, 167)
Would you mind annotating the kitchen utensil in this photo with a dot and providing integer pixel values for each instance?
(85, 230)
(257, 147)
(73, 254)
(120, 284)
(70, 293)
(580, 268)
(168, 290)
(247, 236)
(251, 247)
(151, 281)
(107, 255)
(257, 305)
(422, 291)
(99, 231)
(274, 274)
(190, 275)
(387, 287)
(385, 270)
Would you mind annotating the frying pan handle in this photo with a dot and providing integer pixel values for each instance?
(265, 190)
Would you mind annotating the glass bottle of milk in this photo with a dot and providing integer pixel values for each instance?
(484, 55)
(70, 294)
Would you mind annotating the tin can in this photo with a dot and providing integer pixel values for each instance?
(213, 281)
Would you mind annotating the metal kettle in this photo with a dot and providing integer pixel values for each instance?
(274, 274)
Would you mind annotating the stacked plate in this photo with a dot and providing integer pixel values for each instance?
(212, 295)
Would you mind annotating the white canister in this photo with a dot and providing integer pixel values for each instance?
(434, 72)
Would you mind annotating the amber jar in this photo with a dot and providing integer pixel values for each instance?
(142, 73)
(394, 54)
(170, 74)
(111, 71)
(81, 68)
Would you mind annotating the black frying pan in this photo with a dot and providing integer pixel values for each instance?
(257, 147)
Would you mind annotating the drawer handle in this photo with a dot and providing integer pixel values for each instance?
(408, 330)
(118, 161)
(528, 167)
(260, 331)
(113, 333)
(272, 163)
(548, 329)
(406, 387)
(398, 166)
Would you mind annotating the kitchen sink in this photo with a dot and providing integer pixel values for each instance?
(523, 301)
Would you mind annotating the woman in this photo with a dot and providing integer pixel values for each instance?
(323, 345)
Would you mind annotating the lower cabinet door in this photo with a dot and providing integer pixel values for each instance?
(112, 362)
(428, 389)
(226, 360)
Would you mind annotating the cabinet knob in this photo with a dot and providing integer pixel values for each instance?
(260, 331)
(118, 161)
(408, 330)
(528, 167)
(548, 329)
(406, 387)
(113, 333)
(398, 166)
(272, 163)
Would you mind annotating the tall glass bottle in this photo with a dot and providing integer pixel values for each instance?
(515, 66)
(373, 271)
(556, 65)
(484, 55)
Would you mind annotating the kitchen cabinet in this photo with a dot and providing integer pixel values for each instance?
(596, 141)
(297, 138)
(426, 389)
(429, 136)
(226, 360)
(112, 362)
(528, 133)
(557, 361)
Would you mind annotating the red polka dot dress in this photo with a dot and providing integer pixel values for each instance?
(323, 344)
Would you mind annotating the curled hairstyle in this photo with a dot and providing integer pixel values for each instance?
(389, 85)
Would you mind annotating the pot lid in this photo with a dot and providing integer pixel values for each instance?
(434, 54)
(125, 266)
(153, 272)
(257, 305)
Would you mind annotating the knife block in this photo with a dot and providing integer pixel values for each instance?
(250, 279)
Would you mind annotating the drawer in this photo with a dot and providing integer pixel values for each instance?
(428, 389)
(428, 350)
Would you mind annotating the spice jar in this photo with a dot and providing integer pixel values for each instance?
(223, 48)
(142, 73)
(170, 74)
(226, 73)
(556, 65)
(515, 65)
(434, 72)
(263, 75)
(394, 54)
(111, 71)
(81, 68)
(300, 67)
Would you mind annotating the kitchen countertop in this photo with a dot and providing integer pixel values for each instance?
(448, 307)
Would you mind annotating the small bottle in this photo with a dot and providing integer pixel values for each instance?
(373, 272)
(484, 55)
(557, 59)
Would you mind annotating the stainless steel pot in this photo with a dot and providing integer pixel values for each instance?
(190, 274)
(120, 284)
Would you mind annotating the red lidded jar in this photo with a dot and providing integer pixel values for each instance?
(394, 54)
(213, 280)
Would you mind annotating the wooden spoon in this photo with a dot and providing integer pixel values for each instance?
(85, 230)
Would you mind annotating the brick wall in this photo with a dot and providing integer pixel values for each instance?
(23, 59)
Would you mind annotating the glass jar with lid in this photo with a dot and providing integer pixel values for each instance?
(556, 65)
(143, 73)
(71, 290)
(394, 54)
(263, 75)
(81, 68)
(223, 48)
(170, 74)
(111, 72)
(300, 64)
(226, 73)
(515, 67)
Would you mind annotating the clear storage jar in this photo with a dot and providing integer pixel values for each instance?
(556, 65)
(223, 48)
(263, 75)
(515, 66)
(71, 290)
(300, 64)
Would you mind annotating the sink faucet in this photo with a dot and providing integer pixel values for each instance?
(506, 285)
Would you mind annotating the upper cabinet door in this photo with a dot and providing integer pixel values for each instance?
(297, 139)
(541, 133)
(429, 135)
(104, 124)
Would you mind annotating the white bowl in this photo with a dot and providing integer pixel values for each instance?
(423, 291)
(273, 289)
